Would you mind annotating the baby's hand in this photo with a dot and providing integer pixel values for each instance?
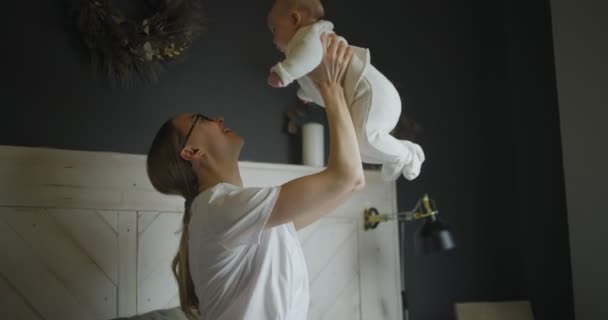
(274, 80)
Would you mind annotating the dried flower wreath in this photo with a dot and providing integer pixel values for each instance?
(128, 49)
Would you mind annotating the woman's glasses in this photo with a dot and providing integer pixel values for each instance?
(196, 117)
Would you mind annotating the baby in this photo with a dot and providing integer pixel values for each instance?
(374, 103)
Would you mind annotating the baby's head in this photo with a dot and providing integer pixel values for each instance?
(287, 16)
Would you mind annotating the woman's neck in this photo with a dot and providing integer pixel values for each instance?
(228, 174)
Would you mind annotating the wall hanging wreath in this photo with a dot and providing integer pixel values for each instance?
(127, 49)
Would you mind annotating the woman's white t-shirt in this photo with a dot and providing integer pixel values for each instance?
(240, 269)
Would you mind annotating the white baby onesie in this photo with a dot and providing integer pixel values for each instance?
(374, 103)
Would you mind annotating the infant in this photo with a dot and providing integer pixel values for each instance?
(373, 101)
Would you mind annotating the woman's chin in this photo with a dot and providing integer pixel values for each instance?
(238, 139)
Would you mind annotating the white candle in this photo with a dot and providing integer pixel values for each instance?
(313, 147)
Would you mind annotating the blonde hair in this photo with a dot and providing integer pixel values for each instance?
(313, 8)
(170, 174)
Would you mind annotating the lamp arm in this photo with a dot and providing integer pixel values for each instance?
(414, 215)
(405, 215)
(401, 216)
(423, 209)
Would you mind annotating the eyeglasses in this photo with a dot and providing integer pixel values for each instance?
(196, 118)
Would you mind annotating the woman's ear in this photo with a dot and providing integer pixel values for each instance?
(296, 18)
(190, 154)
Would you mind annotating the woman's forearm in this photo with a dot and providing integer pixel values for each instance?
(344, 157)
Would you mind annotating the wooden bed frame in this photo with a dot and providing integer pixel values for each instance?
(83, 235)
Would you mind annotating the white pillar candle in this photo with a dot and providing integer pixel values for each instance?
(313, 147)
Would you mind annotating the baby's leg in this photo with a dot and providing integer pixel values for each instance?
(375, 112)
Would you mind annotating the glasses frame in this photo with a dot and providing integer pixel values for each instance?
(197, 117)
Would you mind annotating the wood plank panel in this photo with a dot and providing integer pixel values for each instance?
(127, 263)
(39, 286)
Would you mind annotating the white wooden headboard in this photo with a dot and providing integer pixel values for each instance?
(83, 235)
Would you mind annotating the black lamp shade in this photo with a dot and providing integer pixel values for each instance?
(434, 236)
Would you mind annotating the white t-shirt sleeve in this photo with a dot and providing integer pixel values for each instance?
(238, 216)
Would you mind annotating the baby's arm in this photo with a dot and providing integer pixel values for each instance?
(303, 58)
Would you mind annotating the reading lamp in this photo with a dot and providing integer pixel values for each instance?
(433, 236)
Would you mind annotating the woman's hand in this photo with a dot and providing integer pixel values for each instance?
(335, 61)
(308, 198)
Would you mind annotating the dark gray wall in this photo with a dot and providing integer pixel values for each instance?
(477, 75)
(494, 162)
(57, 103)
(539, 173)
(580, 30)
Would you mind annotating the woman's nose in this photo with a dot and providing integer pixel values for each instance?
(220, 122)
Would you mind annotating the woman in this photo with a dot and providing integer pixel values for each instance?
(239, 256)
